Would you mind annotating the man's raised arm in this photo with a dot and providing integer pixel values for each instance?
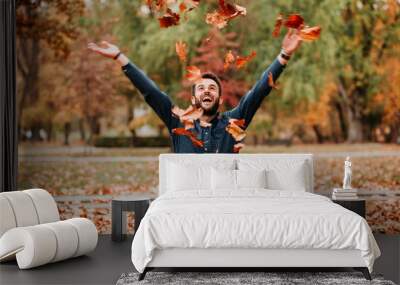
(158, 100)
(249, 104)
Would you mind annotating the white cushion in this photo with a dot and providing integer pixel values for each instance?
(223, 179)
(186, 177)
(251, 178)
(189, 175)
(282, 174)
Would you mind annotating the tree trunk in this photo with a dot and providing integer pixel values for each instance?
(28, 66)
(355, 132)
(130, 114)
(318, 134)
(49, 132)
(67, 130)
(81, 125)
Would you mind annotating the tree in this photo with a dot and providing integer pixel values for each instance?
(41, 23)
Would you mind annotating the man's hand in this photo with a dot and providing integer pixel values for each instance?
(107, 49)
(292, 41)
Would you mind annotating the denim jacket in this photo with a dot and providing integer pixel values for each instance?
(215, 138)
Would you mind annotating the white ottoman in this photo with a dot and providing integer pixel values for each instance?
(31, 232)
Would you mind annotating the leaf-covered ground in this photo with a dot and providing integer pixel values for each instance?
(85, 188)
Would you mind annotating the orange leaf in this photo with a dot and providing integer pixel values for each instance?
(271, 82)
(216, 19)
(242, 60)
(193, 73)
(229, 58)
(169, 19)
(237, 122)
(237, 133)
(180, 48)
(187, 116)
(294, 21)
(237, 147)
(311, 33)
(182, 7)
(224, 13)
(278, 24)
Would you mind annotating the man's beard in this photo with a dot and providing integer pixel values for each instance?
(210, 112)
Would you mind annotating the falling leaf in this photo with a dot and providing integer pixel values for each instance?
(237, 147)
(310, 33)
(238, 122)
(193, 73)
(189, 134)
(180, 48)
(294, 21)
(229, 58)
(169, 19)
(271, 81)
(230, 11)
(242, 60)
(182, 7)
(278, 24)
(160, 4)
(224, 13)
(187, 116)
(235, 130)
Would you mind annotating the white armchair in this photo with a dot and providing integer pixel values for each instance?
(31, 230)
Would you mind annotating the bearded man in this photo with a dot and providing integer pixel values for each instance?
(206, 94)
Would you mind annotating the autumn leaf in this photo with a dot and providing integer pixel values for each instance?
(242, 60)
(193, 73)
(271, 81)
(189, 134)
(182, 7)
(278, 24)
(180, 48)
(160, 4)
(169, 19)
(229, 58)
(224, 13)
(238, 122)
(310, 33)
(187, 116)
(230, 11)
(236, 131)
(294, 21)
(237, 147)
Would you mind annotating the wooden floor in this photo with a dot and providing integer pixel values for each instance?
(111, 259)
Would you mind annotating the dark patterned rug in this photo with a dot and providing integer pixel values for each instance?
(229, 278)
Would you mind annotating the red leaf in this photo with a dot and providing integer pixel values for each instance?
(169, 19)
(271, 81)
(193, 73)
(278, 24)
(180, 48)
(229, 58)
(189, 134)
(294, 21)
(242, 60)
(311, 33)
